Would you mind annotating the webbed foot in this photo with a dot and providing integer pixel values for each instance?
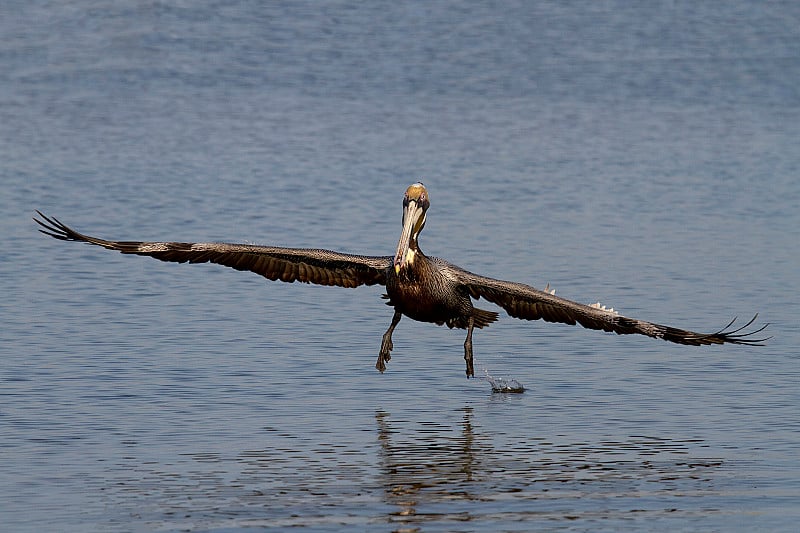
(468, 348)
(386, 344)
(384, 356)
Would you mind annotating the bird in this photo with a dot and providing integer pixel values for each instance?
(423, 288)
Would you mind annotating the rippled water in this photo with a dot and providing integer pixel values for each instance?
(645, 157)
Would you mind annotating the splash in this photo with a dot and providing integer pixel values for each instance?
(503, 385)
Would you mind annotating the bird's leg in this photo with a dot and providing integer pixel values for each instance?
(468, 347)
(386, 343)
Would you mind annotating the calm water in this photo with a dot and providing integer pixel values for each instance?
(644, 157)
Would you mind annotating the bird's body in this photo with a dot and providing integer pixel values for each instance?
(428, 294)
(423, 288)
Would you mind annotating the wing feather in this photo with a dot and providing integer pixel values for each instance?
(321, 267)
(525, 302)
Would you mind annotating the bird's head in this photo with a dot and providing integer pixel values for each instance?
(415, 204)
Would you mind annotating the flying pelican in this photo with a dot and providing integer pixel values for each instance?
(423, 288)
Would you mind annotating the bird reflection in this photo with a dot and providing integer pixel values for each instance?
(431, 472)
(440, 465)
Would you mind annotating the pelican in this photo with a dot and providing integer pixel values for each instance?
(427, 289)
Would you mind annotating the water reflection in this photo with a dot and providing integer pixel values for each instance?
(429, 472)
(434, 465)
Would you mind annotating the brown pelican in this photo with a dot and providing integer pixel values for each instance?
(424, 288)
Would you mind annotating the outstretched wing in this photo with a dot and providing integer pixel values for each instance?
(322, 267)
(525, 302)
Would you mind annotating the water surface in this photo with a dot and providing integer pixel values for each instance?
(645, 157)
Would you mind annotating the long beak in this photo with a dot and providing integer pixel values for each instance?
(411, 215)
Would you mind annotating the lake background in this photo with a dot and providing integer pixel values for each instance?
(646, 156)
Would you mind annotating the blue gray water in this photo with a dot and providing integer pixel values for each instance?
(645, 156)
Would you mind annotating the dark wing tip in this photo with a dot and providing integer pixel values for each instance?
(738, 335)
(54, 228)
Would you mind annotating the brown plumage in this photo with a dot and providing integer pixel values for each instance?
(424, 288)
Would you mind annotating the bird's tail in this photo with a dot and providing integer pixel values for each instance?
(482, 319)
